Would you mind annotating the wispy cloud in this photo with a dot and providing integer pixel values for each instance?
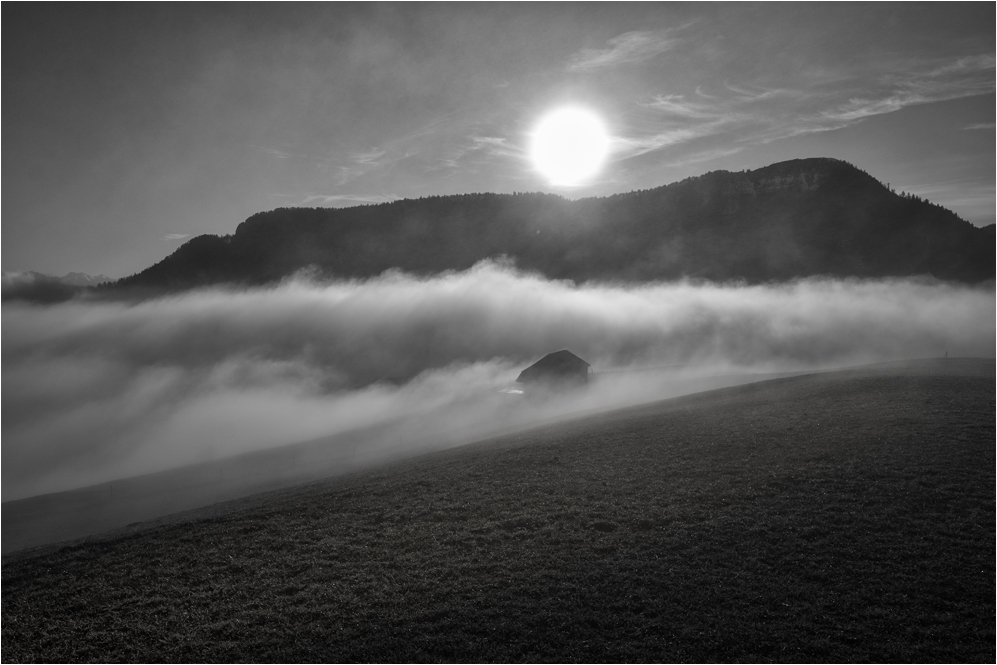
(496, 146)
(332, 199)
(470, 152)
(361, 163)
(175, 236)
(858, 108)
(274, 152)
(628, 48)
(679, 106)
(754, 114)
(288, 155)
(980, 125)
(368, 157)
(703, 156)
(421, 141)
(754, 93)
(965, 77)
(628, 147)
(968, 64)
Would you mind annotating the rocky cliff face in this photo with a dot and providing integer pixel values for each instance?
(788, 220)
(793, 182)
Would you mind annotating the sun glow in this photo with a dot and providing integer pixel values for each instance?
(569, 146)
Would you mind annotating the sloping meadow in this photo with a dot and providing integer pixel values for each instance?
(837, 517)
(97, 390)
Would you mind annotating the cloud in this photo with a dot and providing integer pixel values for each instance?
(640, 145)
(677, 105)
(94, 390)
(332, 199)
(702, 156)
(980, 125)
(470, 153)
(421, 140)
(628, 48)
(369, 156)
(983, 62)
(756, 114)
(494, 145)
(908, 86)
(175, 236)
(275, 152)
(361, 163)
(287, 155)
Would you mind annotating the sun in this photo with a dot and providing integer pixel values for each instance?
(569, 146)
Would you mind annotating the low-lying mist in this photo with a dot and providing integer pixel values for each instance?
(97, 390)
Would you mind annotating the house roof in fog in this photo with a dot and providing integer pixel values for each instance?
(555, 365)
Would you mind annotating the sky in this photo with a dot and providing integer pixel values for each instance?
(129, 129)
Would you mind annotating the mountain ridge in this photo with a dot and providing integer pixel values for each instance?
(793, 219)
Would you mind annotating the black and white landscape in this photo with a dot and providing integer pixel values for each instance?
(290, 427)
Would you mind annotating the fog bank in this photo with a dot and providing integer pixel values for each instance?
(94, 391)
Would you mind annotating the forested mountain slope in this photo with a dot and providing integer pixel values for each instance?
(792, 219)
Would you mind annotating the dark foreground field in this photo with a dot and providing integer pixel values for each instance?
(846, 516)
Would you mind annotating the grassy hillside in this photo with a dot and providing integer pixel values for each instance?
(68, 515)
(837, 517)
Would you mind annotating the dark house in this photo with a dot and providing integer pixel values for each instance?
(558, 368)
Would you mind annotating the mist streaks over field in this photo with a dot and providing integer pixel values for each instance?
(94, 391)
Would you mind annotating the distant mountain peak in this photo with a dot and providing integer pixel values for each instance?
(83, 279)
(39, 287)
